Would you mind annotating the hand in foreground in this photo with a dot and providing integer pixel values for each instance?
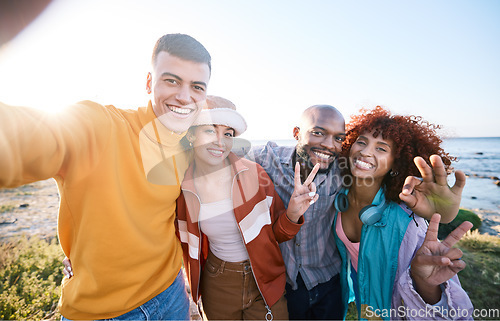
(436, 262)
(303, 195)
(67, 270)
(431, 194)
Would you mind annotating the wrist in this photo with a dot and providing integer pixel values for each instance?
(430, 293)
(292, 218)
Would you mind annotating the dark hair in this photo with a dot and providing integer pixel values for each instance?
(412, 136)
(184, 47)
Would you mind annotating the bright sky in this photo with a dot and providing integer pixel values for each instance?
(438, 59)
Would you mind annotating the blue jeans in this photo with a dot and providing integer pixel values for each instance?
(171, 304)
(323, 302)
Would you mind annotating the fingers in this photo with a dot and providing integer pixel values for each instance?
(410, 183)
(67, 274)
(431, 260)
(315, 198)
(311, 176)
(438, 169)
(454, 254)
(67, 270)
(455, 265)
(435, 174)
(406, 194)
(457, 234)
(409, 200)
(310, 196)
(432, 230)
(296, 177)
(424, 169)
(459, 182)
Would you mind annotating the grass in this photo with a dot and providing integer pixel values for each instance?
(24, 193)
(30, 274)
(463, 215)
(6, 208)
(481, 277)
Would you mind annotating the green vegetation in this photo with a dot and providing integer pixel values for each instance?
(24, 193)
(462, 216)
(481, 277)
(6, 208)
(30, 274)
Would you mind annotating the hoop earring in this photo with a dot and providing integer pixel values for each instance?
(393, 173)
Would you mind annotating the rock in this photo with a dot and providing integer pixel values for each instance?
(24, 205)
(5, 222)
(473, 197)
(479, 153)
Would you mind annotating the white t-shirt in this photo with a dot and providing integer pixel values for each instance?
(217, 222)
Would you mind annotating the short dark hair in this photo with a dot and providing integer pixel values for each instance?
(184, 47)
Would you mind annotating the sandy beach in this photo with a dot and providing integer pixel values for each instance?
(30, 209)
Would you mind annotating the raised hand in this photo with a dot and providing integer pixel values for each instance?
(431, 194)
(436, 262)
(303, 195)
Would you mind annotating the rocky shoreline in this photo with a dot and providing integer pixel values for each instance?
(32, 210)
(29, 210)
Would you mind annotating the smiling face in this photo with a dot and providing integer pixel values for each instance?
(320, 136)
(212, 144)
(371, 157)
(179, 90)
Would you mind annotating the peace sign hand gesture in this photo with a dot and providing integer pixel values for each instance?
(436, 262)
(303, 195)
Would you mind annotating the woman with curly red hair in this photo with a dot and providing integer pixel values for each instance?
(392, 264)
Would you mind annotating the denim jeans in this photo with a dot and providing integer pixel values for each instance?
(171, 304)
(323, 302)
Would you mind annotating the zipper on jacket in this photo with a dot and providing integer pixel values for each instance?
(269, 314)
(199, 250)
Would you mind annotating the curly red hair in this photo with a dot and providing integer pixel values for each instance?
(412, 136)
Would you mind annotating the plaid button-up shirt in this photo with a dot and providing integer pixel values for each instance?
(312, 252)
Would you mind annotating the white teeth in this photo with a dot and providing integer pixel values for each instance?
(321, 155)
(364, 165)
(178, 110)
(216, 152)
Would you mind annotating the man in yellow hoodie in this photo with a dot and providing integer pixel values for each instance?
(118, 173)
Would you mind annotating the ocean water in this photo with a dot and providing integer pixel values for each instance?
(478, 158)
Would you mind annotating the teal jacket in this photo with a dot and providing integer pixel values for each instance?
(383, 278)
(378, 258)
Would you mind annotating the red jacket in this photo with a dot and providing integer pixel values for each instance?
(262, 221)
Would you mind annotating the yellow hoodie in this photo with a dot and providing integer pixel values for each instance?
(118, 174)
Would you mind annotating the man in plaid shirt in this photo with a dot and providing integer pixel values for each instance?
(311, 257)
